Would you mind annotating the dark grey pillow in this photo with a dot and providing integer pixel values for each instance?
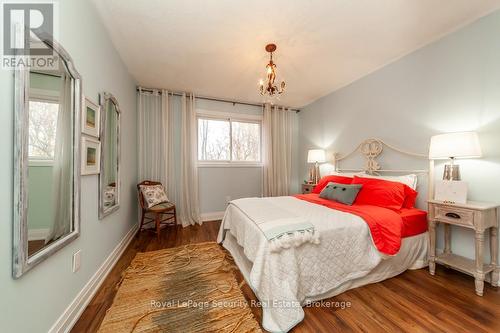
(342, 193)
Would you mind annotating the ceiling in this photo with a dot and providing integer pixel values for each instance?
(216, 47)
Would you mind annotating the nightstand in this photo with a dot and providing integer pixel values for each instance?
(478, 216)
(307, 188)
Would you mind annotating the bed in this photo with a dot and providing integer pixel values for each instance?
(351, 252)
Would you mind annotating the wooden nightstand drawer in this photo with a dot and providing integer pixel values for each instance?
(307, 188)
(455, 215)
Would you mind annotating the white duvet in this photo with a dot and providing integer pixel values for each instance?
(283, 280)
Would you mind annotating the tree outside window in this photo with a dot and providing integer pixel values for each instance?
(225, 140)
(42, 129)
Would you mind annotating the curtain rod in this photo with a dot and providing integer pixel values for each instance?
(151, 90)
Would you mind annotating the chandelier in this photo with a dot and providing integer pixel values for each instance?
(268, 87)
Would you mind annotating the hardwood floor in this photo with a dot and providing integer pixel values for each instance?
(414, 301)
(35, 246)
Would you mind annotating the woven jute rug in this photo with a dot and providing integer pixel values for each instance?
(190, 288)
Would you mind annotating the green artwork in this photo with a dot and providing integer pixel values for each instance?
(90, 121)
(91, 156)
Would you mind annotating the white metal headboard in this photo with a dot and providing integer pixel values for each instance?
(371, 149)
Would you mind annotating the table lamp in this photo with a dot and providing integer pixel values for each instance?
(452, 146)
(315, 156)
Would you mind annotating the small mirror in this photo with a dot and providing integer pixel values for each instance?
(46, 160)
(109, 178)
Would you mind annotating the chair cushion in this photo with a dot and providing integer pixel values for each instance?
(153, 195)
(162, 206)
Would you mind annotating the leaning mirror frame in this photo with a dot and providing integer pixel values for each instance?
(104, 211)
(22, 262)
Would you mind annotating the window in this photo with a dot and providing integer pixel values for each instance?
(213, 140)
(229, 140)
(42, 129)
(245, 141)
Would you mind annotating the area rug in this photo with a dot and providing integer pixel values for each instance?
(190, 288)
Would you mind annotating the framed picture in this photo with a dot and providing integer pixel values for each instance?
(451, 191)
(91, 156)
(91, 116)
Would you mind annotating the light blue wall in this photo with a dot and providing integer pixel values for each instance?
(35, 301)
(218, 184)
(450, 85)
(40, 197)
(215, 183)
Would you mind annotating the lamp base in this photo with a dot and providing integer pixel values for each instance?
(314, 175)
(451, 172)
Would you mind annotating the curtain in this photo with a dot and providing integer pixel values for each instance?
(154, 138)
(62, 169)
(189, 211)
(277, 127)
(158, 159)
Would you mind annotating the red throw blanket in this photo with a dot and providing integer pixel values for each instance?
(386, 226)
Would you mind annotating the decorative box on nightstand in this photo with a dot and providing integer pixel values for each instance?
(478, 216)
(307, 188)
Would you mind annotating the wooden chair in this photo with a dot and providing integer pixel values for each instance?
(163, 214)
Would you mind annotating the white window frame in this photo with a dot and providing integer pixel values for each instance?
(44, 96)
(230, 117)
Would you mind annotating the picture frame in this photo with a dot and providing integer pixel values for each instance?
(91, 118)
(451, 191)
(91, 152)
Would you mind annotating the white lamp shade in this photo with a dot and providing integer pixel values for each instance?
(456, 145)
(316, 155)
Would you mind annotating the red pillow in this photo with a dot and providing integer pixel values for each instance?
(382, 193)
(410, 197)
(333, 178)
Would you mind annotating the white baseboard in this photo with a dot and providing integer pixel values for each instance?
(212, 216)
(70, 316)
(38, 234)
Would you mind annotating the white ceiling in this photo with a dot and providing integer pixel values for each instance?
(216, 47)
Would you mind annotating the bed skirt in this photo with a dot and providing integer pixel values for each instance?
(412, 255)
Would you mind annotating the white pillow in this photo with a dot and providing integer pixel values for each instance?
(153, 195)
(347, 174)
(410, 180)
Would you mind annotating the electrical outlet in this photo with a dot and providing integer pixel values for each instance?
(76, 261)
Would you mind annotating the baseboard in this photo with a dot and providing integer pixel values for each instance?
(38, 234)
(212, 216)
(70, 316)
